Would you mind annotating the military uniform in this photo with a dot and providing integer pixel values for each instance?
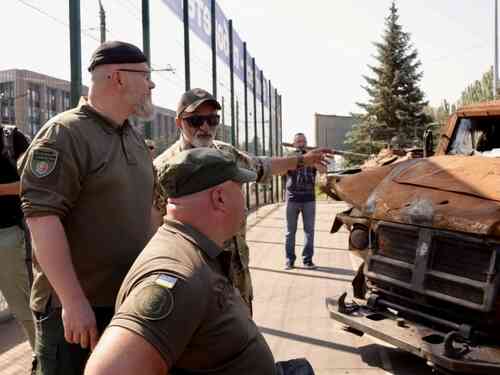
(88, 172)
(97, 177)
(178, 297)
(240, 272)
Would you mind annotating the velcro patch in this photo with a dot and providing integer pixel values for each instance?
(43, 161)
(154, 302)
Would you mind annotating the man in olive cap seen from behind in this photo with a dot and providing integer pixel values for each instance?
(86, 191)
(197, 117)
(182, 276)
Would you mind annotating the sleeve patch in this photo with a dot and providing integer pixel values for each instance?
(43, 161)
(154, 302)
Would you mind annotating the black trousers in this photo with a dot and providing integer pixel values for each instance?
(54, 355)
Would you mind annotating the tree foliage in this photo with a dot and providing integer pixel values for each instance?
(479, 91)
(396, 104)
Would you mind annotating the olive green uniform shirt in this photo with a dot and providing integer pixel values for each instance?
(240, 273)
(177, 296)
(98, 178)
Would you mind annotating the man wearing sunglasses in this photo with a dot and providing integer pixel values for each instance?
(86, 191)
(197, 118)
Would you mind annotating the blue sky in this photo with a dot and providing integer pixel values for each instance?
(315, 52)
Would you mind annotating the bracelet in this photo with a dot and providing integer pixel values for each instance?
(300, 161)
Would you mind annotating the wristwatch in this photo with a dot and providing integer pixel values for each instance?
(300, 161)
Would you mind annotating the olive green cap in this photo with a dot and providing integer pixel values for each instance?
(198, 169)
(193, 98)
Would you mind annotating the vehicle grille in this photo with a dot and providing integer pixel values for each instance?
(454, 289)
(390, 270)
(461, 258)
(398, 243)
(451, 267)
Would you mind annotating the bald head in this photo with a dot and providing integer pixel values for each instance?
(122, 90)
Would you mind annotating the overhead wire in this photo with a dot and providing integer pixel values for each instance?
(223, 84)
(55, 19)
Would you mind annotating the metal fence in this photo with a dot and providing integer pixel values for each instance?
(191, 43)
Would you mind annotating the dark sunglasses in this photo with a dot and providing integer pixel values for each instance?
(197, 121)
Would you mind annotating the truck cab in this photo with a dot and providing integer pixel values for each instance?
(428, 231)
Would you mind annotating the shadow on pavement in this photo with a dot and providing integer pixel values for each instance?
(10, 335)
(308, 340)
(336, 271)
(299, 274)
(297, 245)
(281, 227)
(396, 361)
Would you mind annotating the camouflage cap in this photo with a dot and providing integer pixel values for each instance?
(192, 99)
(198, 169)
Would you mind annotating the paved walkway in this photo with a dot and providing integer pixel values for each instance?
(289, 306)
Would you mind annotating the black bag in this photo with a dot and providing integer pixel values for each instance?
(299, 366)
(8, 151)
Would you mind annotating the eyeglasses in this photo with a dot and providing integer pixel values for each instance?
(197, 121)
(147, 73)
(134, 70)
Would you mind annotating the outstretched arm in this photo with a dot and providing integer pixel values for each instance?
(318, 156)
(11, 188)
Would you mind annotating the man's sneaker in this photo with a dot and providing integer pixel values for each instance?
(288, 265)
(310, 265)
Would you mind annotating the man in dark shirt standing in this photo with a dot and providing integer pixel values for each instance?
(15, 264)
(86, 192)
(300, 198)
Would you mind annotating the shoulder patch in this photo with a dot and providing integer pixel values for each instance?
(43, 161)
(154, 302)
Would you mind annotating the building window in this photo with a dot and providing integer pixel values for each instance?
(7, 98)
(66, 100)
(34, 109)
(51, 102)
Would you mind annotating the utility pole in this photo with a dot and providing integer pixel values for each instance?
(102, 18)
(495, 63)
(75, 51)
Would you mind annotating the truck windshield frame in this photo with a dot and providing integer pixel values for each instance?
(476, 136)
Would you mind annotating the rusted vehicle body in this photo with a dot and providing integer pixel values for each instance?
(429, 232)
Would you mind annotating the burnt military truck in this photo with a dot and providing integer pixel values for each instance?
(428, 231)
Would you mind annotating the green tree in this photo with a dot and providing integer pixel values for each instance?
(479, 91)
(396, 105)
(441, 114)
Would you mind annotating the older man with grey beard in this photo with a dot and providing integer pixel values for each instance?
(198, 119)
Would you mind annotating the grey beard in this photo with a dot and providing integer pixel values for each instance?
(199, 143)
(145, 112)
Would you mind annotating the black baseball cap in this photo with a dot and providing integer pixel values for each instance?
(116, 52)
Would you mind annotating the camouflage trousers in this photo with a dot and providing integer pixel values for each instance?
(15, 277)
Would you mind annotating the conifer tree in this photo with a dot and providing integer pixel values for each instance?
(396, 104)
